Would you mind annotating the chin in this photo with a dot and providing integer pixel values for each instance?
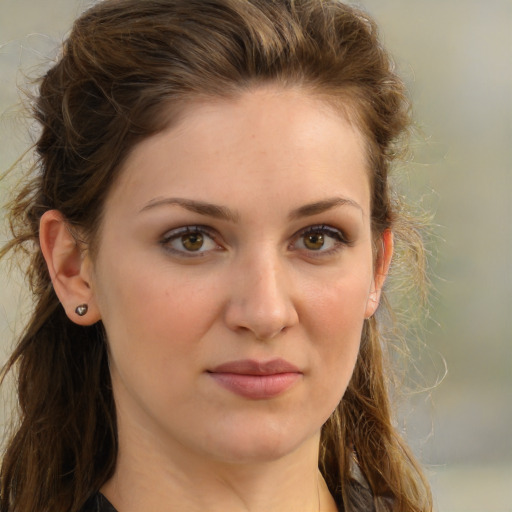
(261, 443)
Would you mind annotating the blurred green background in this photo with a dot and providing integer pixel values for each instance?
(456, 58)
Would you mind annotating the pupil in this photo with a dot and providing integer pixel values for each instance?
(315, 241)
(192, 241)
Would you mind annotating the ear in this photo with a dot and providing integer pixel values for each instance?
(69, 266)
(380, 272)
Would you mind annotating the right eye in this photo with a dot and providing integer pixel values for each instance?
(189, 241)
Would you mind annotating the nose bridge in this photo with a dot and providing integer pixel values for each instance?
(261, 300)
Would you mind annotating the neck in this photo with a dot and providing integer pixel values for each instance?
(148, 477)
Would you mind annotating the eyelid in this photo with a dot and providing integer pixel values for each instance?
(339, 235)
(325, 228)
(175, 233)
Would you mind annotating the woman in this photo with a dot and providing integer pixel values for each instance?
(210, 227)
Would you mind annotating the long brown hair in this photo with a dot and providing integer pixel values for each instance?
(126, 71)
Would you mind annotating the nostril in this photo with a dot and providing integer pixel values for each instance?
(271, 335)
(264, 325)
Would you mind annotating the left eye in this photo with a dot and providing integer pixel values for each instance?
(189, 241)
(320, 239)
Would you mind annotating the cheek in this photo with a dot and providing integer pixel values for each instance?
(150, 319)
(154, 328)
(339, 307)
(338, 318)
(152, 297)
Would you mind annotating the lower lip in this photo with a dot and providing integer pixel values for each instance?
(256, 387)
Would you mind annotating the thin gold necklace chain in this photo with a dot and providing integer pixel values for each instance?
(318, 492)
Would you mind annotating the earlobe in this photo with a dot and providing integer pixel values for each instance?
(380, 272)
(69, 267)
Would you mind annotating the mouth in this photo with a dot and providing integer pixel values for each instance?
(256, 380)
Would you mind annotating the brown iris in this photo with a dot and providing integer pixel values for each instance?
(314, 241)
(192, 241)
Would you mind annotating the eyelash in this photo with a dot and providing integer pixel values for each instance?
(175, 234)
(339, 238)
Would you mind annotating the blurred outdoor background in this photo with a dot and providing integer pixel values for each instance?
(456, 58)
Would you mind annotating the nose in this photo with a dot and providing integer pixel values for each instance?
(261, 300)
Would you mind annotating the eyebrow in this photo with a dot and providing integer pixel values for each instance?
(311, 209)
(201, 207)
(224, 213)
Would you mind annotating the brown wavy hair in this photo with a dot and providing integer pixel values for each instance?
(126, 71)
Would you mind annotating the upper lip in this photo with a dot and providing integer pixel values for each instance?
(253, 367)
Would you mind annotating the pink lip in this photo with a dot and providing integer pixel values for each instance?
(257, 380)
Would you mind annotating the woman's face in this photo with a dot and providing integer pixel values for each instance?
(233, 276)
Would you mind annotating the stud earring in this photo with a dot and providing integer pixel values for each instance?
(82, 309)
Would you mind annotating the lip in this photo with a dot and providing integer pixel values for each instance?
(256, 380)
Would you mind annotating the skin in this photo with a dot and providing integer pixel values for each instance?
(261, 286)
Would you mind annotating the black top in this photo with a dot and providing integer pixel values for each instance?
(98, 503)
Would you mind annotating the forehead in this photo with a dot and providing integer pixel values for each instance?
(264, 139)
